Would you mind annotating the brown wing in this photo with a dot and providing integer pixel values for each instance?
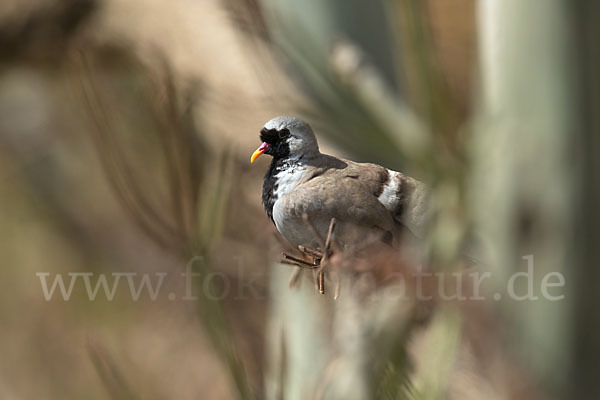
(411, 200)
(342, 196)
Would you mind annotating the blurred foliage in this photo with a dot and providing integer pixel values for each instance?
(182, 208)
(43, 33)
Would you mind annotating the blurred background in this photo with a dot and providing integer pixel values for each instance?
(126, 128)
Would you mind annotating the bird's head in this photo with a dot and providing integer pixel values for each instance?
(284, 137)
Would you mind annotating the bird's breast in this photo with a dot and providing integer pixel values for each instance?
(281, 179)
(293, 228)
(288, 179)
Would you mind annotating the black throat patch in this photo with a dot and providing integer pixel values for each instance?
(269, 197)
(279, 149)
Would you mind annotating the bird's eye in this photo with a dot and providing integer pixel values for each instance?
(284, 133)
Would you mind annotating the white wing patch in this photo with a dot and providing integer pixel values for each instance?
(389, 196)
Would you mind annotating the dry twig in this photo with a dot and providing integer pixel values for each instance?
(318, 259)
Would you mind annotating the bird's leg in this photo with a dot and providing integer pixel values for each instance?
(289, 259)
(318, 259)
(311, 252)
(298, 263)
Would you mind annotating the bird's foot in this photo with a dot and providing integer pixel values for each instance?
(312, 263)
(317, 255)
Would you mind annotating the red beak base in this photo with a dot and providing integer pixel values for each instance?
(263, 147)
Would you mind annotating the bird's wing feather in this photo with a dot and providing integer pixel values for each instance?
(408, 202)
(341, 196)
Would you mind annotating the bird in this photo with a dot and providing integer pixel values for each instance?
(367, 201)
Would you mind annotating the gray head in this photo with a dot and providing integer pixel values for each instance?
(284, 137)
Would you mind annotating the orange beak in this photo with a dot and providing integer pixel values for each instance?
(263, 147)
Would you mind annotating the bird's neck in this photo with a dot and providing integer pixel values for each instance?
(281, 177)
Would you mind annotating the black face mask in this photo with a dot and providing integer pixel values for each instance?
(277, 141)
